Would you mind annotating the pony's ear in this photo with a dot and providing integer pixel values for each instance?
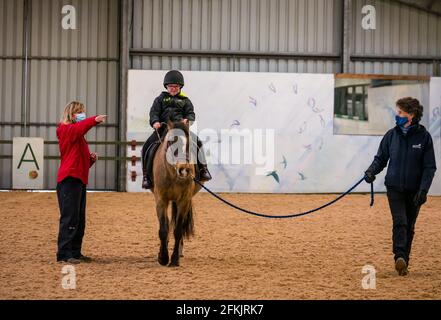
(169, 124)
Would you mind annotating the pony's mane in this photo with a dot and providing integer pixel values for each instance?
(180, 125)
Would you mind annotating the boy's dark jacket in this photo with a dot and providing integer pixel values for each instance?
(411, 159)
(166, 107)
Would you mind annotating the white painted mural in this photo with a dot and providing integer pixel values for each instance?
(292, 113)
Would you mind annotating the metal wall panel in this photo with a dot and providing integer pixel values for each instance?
(276, 26)
(10, 111)
(64, 65)
(11, 27)
(95, 36)
(95, 83)
(401, 30)
(90, 77)
(11, 45)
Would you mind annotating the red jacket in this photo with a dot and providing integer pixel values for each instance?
(74, 151)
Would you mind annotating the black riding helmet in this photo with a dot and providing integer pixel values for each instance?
(173, 77)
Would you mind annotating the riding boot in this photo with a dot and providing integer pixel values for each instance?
(204, 174)
(147, 170)
(146, 182)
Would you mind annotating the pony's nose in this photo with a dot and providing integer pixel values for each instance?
(183, 172)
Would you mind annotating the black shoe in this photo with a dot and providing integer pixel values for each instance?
(146, 183)
(84, 259)
(401, 267)
(70, 260)
(204, 175)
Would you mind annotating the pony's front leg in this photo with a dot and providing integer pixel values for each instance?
(178, 239)
(182, 211)
(161, 210)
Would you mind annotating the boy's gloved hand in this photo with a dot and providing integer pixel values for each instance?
(369, 177)
(420, 198)
(157, 125)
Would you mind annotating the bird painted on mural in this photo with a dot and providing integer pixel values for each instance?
(317, 110)
(274, 175)
(235, 123)
(302, 176)
(321, 142)
(284, 162)
(302, 127)
(295, 88)
(253, 102)
(308, 147)
(272, 87)
(322, 121)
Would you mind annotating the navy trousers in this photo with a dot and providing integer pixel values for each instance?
(71, 193)
(404, 216)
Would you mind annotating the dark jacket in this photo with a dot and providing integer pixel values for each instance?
(166, 107)
(411, 159)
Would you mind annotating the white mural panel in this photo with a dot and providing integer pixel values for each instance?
(293, 111)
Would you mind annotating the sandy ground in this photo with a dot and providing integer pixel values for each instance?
(232, 256)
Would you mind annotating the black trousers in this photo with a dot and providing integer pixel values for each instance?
(154, 138)
(404, 216)
(71, 193)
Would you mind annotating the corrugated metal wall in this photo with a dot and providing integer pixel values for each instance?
(218, 35)
(64, 65)
(401, 30)
(215, 27)
(258, 26)
(11, 68)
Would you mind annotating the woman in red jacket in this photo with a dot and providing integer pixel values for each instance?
(73, 173)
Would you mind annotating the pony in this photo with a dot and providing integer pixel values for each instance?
(173, 174)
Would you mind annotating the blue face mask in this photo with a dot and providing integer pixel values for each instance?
(401, 121)
(80, 117)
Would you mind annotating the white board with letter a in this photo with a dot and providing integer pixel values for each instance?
(27, 163)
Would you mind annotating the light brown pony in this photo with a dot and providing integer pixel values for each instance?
(173, 183)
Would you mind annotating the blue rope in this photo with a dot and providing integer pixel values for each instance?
(288, 215)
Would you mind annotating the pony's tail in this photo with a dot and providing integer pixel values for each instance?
(188, 223)
(187, 220)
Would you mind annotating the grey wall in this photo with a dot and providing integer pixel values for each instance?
(219, 35)
(63, 65)
(310, 27)
(402, 31)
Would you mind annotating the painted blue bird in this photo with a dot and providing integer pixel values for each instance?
(253, 102)
(284, 162)
(302, 176)
(274, 175)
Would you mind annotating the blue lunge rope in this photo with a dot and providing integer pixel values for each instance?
(288, 215)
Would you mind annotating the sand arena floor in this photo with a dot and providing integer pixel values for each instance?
(232, 256)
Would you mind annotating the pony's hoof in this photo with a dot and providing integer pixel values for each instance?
(163, 260)
(173, 264)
